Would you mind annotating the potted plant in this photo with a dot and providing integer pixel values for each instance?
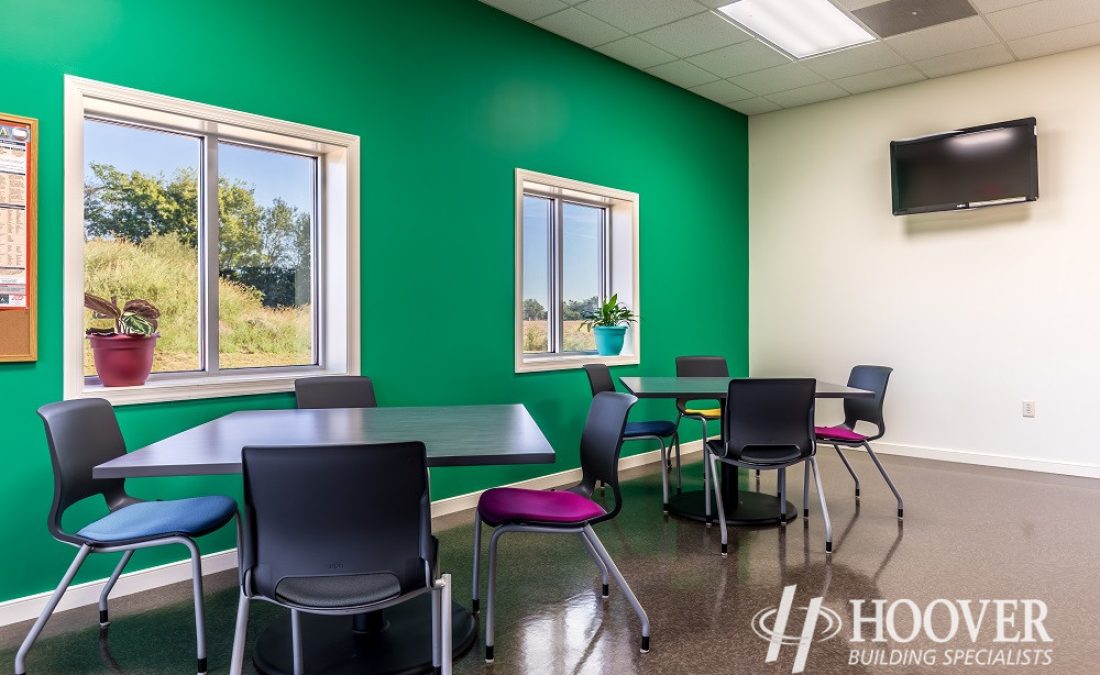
(123, 354)
(609, 321)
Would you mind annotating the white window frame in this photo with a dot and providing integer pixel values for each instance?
(619, 267)
(336, 243)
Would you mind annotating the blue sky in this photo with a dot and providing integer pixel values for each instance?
(272, 174)
(580, 261)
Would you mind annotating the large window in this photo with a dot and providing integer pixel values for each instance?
(576, 245)
(237, 227)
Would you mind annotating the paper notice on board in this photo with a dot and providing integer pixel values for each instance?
(14, 237)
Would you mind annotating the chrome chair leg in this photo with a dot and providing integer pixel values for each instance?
(296, 641)
(196, 586)
(437, 623)
(240, 636)
(51, 605)
(679, 473)
(882, 470)
(474, 601)
(590, 534)
(490, 595)
(706, 472)
(782, 480)
(824, 506)
(104, 616)
(848, 465)
(599, 563)
(806, 493)
(446, 647)
(664, 470)
(721, 507)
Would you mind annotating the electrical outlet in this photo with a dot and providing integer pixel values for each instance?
(1029, 408)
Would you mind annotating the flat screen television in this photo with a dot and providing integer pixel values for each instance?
(966, 168)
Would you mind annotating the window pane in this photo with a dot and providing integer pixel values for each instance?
(536, 261)
(266, 211)
(581, 228)
(141, 216)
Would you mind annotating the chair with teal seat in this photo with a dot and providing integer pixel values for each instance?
(599, 379)
(81, 435)
(701, 366)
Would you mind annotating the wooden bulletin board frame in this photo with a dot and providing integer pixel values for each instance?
(19, 325)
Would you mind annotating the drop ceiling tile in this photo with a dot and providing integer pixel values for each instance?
(682, 73)
(779, 78)
(945, 38)
(634, 16)
(854, 61)
(580, 27)
(1057, 41)
(880, 79)
(960, 62)
(753, 106)
(739, 59)
(695, 35)
(823, 91)
(635, 52)
(722, 91)
(856, 4)
(528, 10)
(985, 6)
(1043, 17)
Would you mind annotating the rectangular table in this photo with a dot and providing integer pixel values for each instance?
(399, 641)
(742, 508)
(470, 435)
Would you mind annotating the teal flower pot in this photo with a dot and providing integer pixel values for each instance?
(609, 340)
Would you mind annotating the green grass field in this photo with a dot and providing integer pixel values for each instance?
(165, 271)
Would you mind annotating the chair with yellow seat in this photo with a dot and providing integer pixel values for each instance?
(701, 366)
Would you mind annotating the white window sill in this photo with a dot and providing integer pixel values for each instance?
(188, 389)
(537, 364)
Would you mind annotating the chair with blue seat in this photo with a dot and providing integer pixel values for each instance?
(599, 379)
(869, 410)
(570, 511)
(81, 435)
(701, 366)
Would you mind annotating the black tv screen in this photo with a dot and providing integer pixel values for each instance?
(966, 168)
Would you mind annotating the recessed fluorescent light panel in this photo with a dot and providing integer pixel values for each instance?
(799, 27)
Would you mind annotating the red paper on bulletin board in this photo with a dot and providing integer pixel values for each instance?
(18, 237)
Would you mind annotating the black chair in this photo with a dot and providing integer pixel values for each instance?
(570, 511)
(872, 378)
(599, 379)
(81, 435)
(769, 424)
(701, 366)
(335, 391)
(366, 507)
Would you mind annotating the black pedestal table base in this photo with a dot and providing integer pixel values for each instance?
(752, 508)
(401, 644)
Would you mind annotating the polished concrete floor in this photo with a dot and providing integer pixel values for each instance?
(969, 533)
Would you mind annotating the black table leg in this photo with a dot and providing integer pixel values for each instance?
(742, 507)
(395, 641)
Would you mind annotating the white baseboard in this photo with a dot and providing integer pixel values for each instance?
(989, 459)
(87, 593)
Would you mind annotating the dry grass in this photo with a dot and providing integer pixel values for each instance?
(574, 338)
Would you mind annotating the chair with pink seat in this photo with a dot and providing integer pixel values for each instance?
(570, 511)
(871, 378)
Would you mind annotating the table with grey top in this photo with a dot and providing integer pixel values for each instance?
(742, 507)
(397, 640)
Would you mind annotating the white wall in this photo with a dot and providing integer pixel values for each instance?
(976, 311)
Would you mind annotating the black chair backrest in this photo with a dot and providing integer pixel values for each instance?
(700, 366)
(335, 391)
(599, 377)
(81, 434)
(601, 443)
(336, 510)
(769, 421)
(872, 378)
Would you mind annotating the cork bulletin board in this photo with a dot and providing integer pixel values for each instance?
(18, 238)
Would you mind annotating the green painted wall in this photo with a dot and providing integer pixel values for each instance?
(448, 98)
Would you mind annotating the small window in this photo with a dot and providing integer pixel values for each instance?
(237, 227)
(576, 246)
